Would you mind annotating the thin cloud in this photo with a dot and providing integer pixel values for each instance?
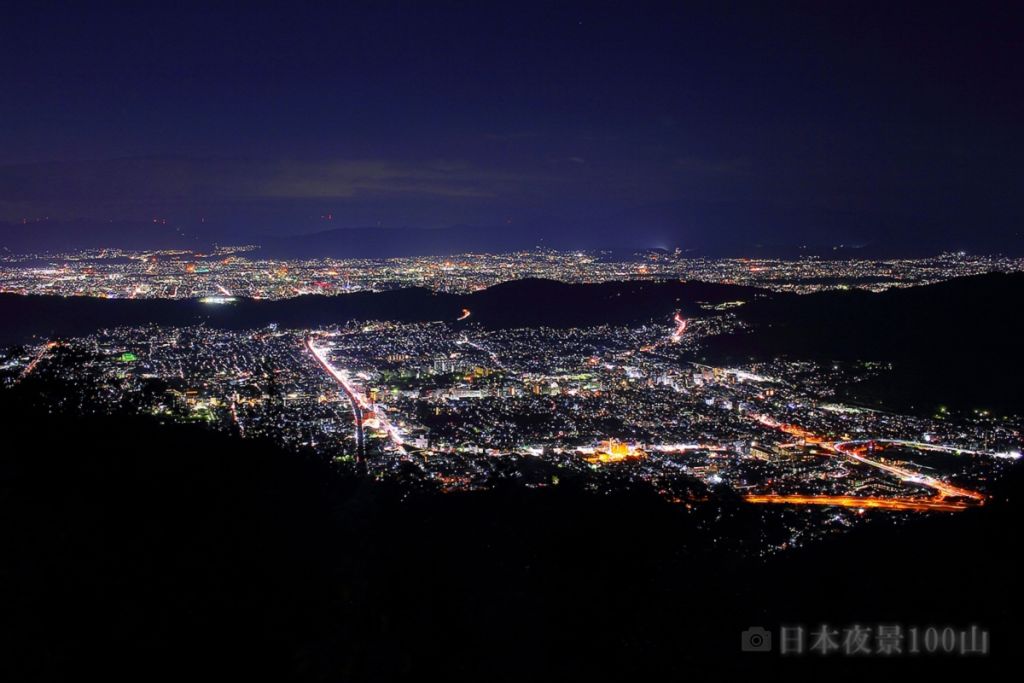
(89, 184)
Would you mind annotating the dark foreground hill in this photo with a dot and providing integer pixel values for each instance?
(137, 550)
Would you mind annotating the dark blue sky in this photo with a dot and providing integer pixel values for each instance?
(675, 121)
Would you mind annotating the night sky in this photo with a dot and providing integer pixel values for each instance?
(672, 124)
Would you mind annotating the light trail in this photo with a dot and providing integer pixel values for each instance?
(944, 489)
(684, 447)
(680, 322)
(925, 446)
(238, 423)
(357, 416)
(872, 503)
(358, 398)
(675, 337)
(483, 349)
(30, 368)
(854, 450)
(465, 314)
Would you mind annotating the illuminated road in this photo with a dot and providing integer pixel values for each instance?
(855, 450)
(918, 504)
(852, 449)
(674, 338)
(483, 349)
(465, 314)
(357, 415)
(925, 446)
(361, 405)
(238, 423)
(36, 360)
(680, 322)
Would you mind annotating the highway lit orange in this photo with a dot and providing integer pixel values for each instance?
(923, 505)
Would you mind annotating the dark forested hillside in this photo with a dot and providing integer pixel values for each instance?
(133, 548)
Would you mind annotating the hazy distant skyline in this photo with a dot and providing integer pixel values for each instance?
(678, 122)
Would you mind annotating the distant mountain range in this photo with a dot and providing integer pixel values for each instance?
(699, 228)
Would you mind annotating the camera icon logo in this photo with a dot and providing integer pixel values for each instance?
(756, 639)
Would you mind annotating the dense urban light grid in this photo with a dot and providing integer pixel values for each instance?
(241, 271)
